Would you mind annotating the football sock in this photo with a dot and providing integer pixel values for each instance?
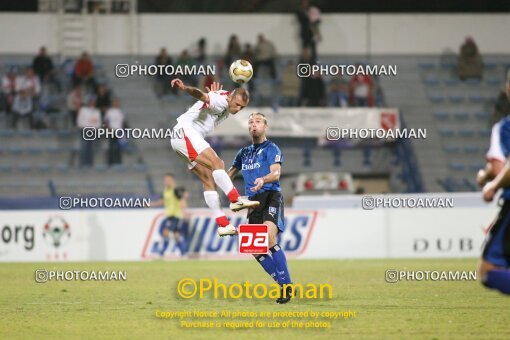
(499, 279)
(266, 261)
(166, 241)
(281, 264)
(212, 199)
(225, 183)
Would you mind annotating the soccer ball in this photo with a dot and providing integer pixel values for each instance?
(240, 71)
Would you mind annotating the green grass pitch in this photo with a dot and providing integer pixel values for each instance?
(90, 309)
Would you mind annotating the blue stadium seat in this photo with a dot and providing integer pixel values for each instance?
(493, 81)
(448, 65)
(445, 131)
(451, 82)
(461, 115)
(471, 149)
(431, 81)
(441, 115)
(426, 66)
(451, 149)
(456, 166)
(484, 132)
(476, 98)
(456, 98)
(436, 98)
(466, 132)
(490, 65)
(481, 115)
(472, 81)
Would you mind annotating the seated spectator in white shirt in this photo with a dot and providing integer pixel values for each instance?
(22, 109)
(29, 83)
(114, 119)
(89, 119)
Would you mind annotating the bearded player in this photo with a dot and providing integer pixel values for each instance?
(261, 166)
(188, 141)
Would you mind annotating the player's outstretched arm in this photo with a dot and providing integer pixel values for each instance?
(192, 91)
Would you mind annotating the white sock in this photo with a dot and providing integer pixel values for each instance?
(225, 183)
(212, 199)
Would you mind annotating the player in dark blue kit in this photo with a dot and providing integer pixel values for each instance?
(495, 265)
(260, 164)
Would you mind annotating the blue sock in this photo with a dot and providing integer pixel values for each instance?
(499, 279)
(183, 246)
(281, 264)
(166, 241)
(266, 261)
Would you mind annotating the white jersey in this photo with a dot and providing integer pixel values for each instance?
(203, 117)
(495, 151)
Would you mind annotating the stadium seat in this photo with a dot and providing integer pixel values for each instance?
(482, 115)
(445, 131)
(462, 115)
(451, 82)
(471, 149)
(466, 132)
(456, 166)
(493, 81)
(436, 98)
(456, 98)
(472, 81)
(451, 149)
(431, 81)
(426, 66)
(484, 132)
(476, 98)
(441, 115)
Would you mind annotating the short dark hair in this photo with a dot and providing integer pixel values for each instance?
(245, 95)
(259, 114)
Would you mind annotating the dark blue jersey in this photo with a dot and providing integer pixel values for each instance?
(504, 141)
(254, 162)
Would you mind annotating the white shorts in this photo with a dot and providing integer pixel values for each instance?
(188, 144)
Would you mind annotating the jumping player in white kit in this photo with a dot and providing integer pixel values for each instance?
(188, 141)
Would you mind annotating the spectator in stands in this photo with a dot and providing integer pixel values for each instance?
(103, 99)
(88, 117)
(265, 55)
(501, 107)
(44, 69)
(362, 90)
(305, 29)
(233, 50)
(290, 86)
(29, 83)
(84, 72)
(470, 62)
(201, 51)
(74, 102)
(162, 80)
(9, 88)
(248, 54)
(313, 90)
(22, 108)
(306, 57)
(183, 61)
(338, 92)
(314, 17)
(114, 119)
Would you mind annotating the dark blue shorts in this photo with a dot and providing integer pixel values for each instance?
(171, 223)
(270, 209)
(496, 248)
